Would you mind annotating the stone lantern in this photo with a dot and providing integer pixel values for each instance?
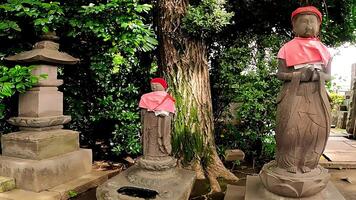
(43, 154)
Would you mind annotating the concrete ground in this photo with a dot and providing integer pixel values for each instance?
(342, 162)
(345, 181)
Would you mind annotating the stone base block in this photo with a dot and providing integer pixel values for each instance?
(39, 145)
(6, 183)
(19, 194)
(41, 102)
(234, 192)
(176, 186)
(256, 191)
(39, 175)
(61, 192)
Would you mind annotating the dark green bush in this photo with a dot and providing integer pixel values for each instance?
(245, 75)
(112, 40)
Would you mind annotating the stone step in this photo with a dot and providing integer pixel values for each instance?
(63, 191)
(235, 192)
(82, 184)
(18, 194)
(6, 183)
(234, 154)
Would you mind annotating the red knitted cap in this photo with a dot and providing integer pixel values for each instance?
(160, 81)
(307, 9)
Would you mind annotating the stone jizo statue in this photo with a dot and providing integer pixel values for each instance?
(155, 175)
(303, 115)
(303, 112)
(157, 109)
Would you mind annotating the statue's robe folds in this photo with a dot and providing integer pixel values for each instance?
(303, 122)
(156, 134)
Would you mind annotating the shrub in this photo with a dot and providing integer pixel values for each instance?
(112, 40)
(245, 74)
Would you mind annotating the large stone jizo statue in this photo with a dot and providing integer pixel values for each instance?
(303, 113)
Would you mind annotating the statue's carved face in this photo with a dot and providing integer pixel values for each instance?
(156, 87)
(306, 25)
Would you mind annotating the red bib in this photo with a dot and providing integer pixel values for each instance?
(304, 50)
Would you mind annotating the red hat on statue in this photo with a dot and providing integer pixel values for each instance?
(311, 9)
(160, 81)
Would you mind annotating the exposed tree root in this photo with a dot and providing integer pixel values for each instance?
(217, 169)
(198, 170)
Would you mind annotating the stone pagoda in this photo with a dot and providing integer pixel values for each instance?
(43, 154)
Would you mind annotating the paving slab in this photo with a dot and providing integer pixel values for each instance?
(346, 188)
(339, 146)
(351, 142)
(337, 165)
(61, 192)
(341, 156)
(82, 184)
(341, 150)
(19, 194)
(234, 192)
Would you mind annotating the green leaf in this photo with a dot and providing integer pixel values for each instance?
(4, 78)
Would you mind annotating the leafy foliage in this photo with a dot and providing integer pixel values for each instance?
(16, 79)
(72, 193)
(207, 18)
(42, 15)
(336, 100)
(112, 40)
(245, 74)
(265, 17)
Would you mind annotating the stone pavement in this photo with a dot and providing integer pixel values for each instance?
(340, 151)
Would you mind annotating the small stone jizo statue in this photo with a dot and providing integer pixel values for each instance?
(157, 109)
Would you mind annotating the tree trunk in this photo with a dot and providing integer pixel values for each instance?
(183, 61)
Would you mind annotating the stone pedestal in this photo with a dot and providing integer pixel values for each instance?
(173, 184)
(40, 175)
(283, 183)
(39, 160)
(35, 145)
(256, 191)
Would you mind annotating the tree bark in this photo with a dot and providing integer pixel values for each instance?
(184, 63)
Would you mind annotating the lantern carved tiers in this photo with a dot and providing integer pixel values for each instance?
(39, 155)
(41, 108)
